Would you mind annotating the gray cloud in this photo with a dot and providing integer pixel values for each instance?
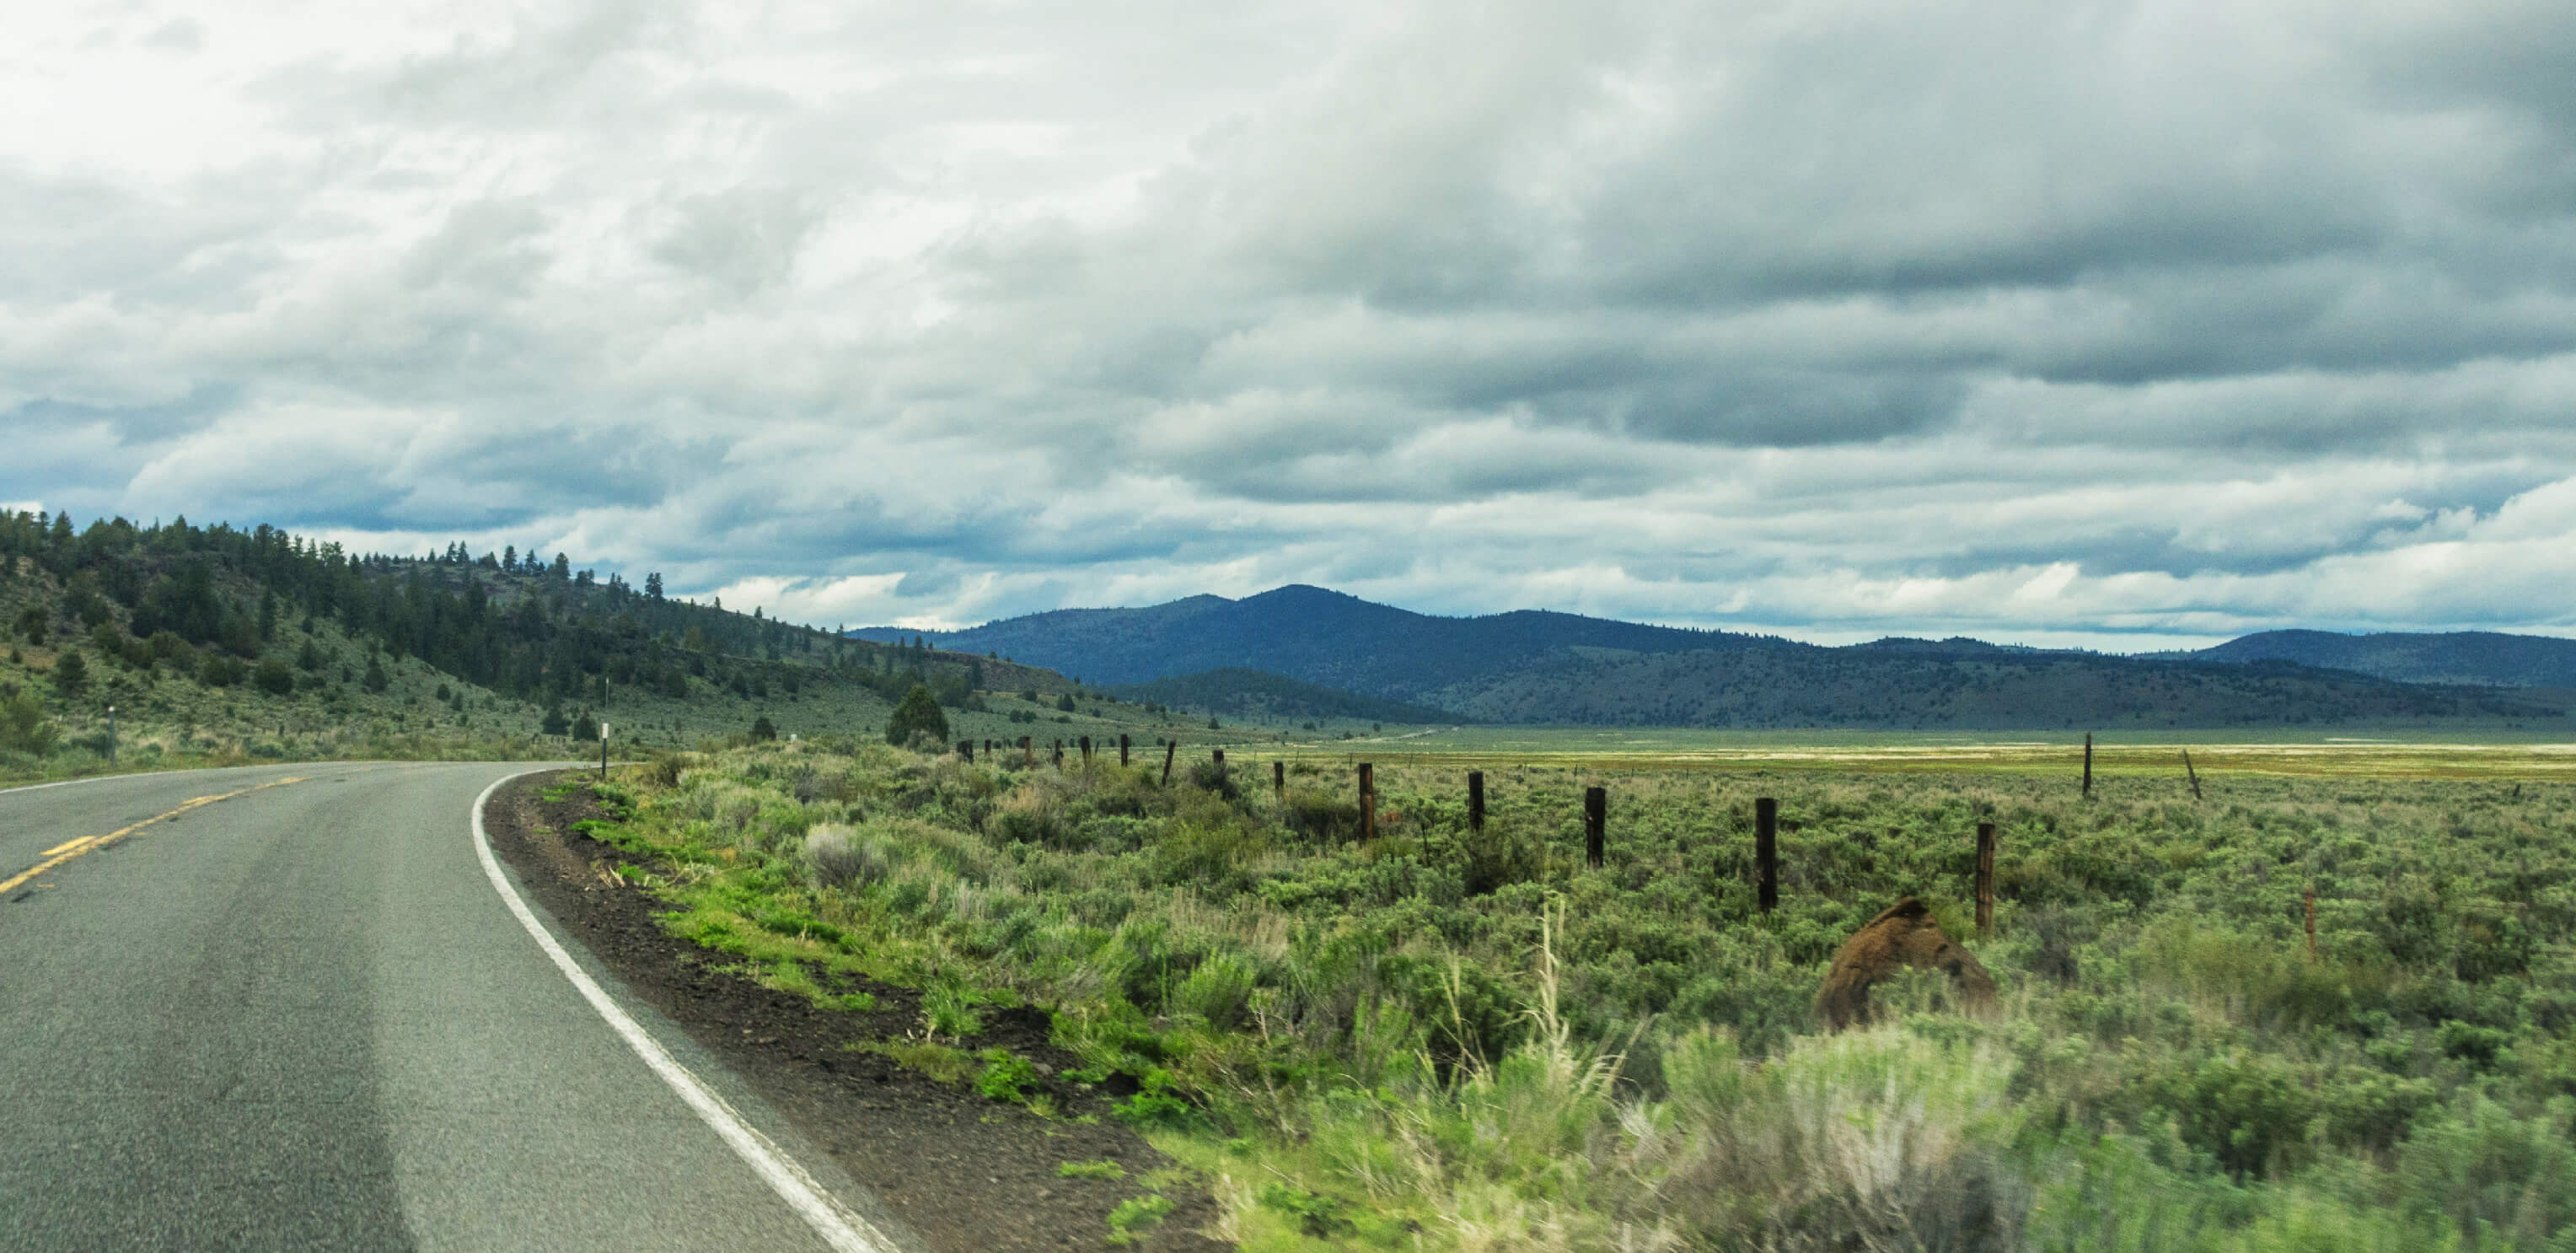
(2105, 321)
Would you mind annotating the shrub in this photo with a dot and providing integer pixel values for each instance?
(274, 678)
(217, 670)
(24, 728)
(840, 858)
(1217, 991)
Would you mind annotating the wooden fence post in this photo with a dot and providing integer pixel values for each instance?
(1028, 752)
(1279, 778)
(1766, 853)
(1476, 801)
(2195, 775)
(1368, 801)
(966, 749)
(1122, 748)
(1985, 878)
(1086, 750)
(2088, 765)
(1059, 755)
(1596, 816)
(1217, 755)
(1169, 749)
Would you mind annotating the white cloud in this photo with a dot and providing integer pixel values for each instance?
(2031, 320)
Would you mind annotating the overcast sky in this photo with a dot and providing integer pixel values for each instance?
(2117, 324)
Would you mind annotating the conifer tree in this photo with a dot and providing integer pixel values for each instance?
(919, 712)
(71, 673)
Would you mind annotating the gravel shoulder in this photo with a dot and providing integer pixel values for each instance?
(965, 1172)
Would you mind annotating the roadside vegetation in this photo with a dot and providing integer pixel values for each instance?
(1438, 1040)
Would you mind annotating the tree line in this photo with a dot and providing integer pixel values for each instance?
(527, 627)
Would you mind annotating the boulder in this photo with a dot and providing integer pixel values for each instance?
(1903, 935)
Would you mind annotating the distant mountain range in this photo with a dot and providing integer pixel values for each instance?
(2487, 658)
(1538, 666)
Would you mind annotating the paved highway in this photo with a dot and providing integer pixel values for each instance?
(307, 1016)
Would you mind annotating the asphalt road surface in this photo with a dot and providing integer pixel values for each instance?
(305, 1016)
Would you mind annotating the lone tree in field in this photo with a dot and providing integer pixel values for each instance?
(763, 730)
(918, 712)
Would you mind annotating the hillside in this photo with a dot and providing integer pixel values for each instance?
(215, 643)
(2486, 658)
(1983, 689)
(1537, 667)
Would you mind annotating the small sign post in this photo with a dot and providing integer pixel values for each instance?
(111, 735)
(603, 748)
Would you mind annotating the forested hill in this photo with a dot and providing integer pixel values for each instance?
(261, 634)
(1553, 667)
(2490, 658)
(1311, 634)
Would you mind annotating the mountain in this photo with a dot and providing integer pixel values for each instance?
(1541, 667)
(2481, 658)
(1307, 633)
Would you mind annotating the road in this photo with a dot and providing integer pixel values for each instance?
(305, 1016)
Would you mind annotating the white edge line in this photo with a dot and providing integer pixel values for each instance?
(840, 1227)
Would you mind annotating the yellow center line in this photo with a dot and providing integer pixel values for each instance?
(61, 853)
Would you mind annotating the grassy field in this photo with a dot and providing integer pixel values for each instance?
(1435, 1040)
(2369, 752)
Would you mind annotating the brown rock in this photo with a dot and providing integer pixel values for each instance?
(1904, 935)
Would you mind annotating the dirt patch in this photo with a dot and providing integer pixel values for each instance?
(967, 1172)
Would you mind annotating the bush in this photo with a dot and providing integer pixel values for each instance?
(24, 728)
(841, 859)
(218, 670)
(274, 678)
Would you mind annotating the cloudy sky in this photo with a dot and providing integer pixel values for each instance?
(2112, 323)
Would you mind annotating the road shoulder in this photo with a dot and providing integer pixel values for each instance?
(964, 1171)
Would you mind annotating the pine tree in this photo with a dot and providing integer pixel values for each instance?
(919, 713)
(71, 673)
(653, 585)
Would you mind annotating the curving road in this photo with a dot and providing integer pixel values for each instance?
(305, 1016)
